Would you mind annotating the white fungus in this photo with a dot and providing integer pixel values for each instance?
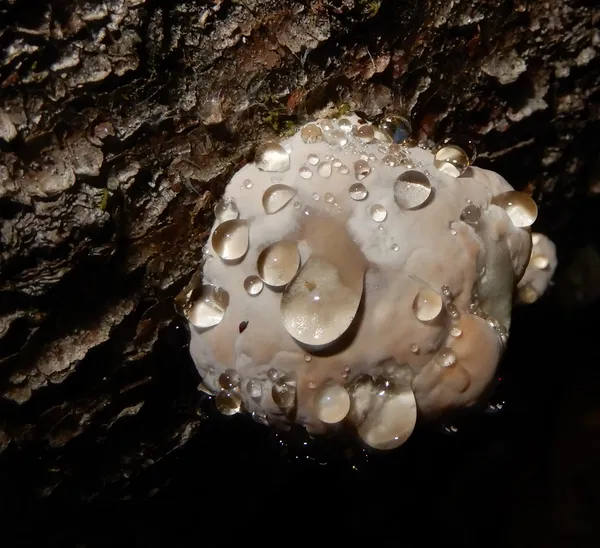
(333, 319)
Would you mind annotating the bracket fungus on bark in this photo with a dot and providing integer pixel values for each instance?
(374, 280)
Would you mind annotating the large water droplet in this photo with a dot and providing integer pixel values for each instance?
(519, 206)
(284, 392)
(254, 389)
(471, 214)
(253, 285)
(228, 402)
(229, 379)
(445, 357)
(332, 403)
(540, 262)
(312, 159)
(305, 172)
(345, 125)
(230, 239)
(311, 133)
(225, 210)
(271, 156)
(364, 133)
(319, 306)
(427, 305)
(358, 192)
(411, 189)
(278, 264)
(276, 197)
(337, 137)
(451, 160)
(325, 169)
(398, 128)
(207, 306)
(465, 143)
(361, 169)
(378, 213)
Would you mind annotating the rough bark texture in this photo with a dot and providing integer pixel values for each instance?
(120, 123)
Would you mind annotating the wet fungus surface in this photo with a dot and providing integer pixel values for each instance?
(374, 280)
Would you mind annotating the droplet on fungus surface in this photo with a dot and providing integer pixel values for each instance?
(276, 197)
(427, 305)
(519, 206)
(378, 213)
(278, 263)
(411, 189)
(229, 379)
(451, 160)
(272, 157)
(332, 403)
(228, 402)
(471, 214)
(361, 169)
(253, 285)
(311, 133)
(208, 307)
(230, 239)
(397, 127)
(284, 392)
(226, 210)
(358, 191)
(305, 172)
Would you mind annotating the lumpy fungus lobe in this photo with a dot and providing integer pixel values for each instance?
(374, 280)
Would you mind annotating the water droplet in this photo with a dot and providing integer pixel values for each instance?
(277, 264)
(325, 124)
(276, 197)
(260, 416)
(364, 133)
(329, 198)
(345, 125)
(248, 183)
(319, 305)
(271, 156)
(336, 162)
(273, 374)
(411, 189)
(540, 261)
(451, 160)
(414, 348)
(358, 191)
(254, 389)
(325, 169)
(307, 357)
(361, 169)
(455, 331)
(445, 357)
(427, 305)
(229, 379)
(311, 133)
(297, 205)
(332, 403)
(380, 228)
(253, 285)
(316, 197)
(446, 292)
(306, 211)
(225, 210)
(395, 247)
(284, 392)
(337, 138)
(519, 206)
(463, 142)
(305, 172)
(228, 402)
(207, 306)
(397, 127)
(528, 294)
(344, 170)
(378, 213)
(391, 161)
(471, 214)
(452, 310)
(312, 159)
(230, 239)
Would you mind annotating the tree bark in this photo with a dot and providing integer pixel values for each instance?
(120, 124)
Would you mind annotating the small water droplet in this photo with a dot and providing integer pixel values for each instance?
(452, 310)
(540, 261)
(248, 183)
(284, 392)
(278, 264)
(336, 162)
(364, 133)
(427, 305)
(229, 379)
(358, 192)
(297, 205)
(307, 357)
(378, 213)
(312, 159)
(325, 169)
(254, 389)
(519, 206)
(276, 197)
(305, 172)
(445, 357)
(325, 124)
(380, 228)
(344, 170)
(273, 374)
(337, 138)
(446, 292)
(253, 285)
(311, 133)
(390, 160)
(318, 307)
(260, 416)
(397, 127)
(332, 403)
(395, 247)
(306, 211)
(345, 125)
(316, 197)
(206, 307)
(471, 214)
(465, 143)
(226, 210)
(329, 198)
(228, 402)
(271, 156)
(414, 348)
(230, 239)
(455, 331)
(451, 160)
(361, 169)
(411, 189)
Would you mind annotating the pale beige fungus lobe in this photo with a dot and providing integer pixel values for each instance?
(357, 282)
